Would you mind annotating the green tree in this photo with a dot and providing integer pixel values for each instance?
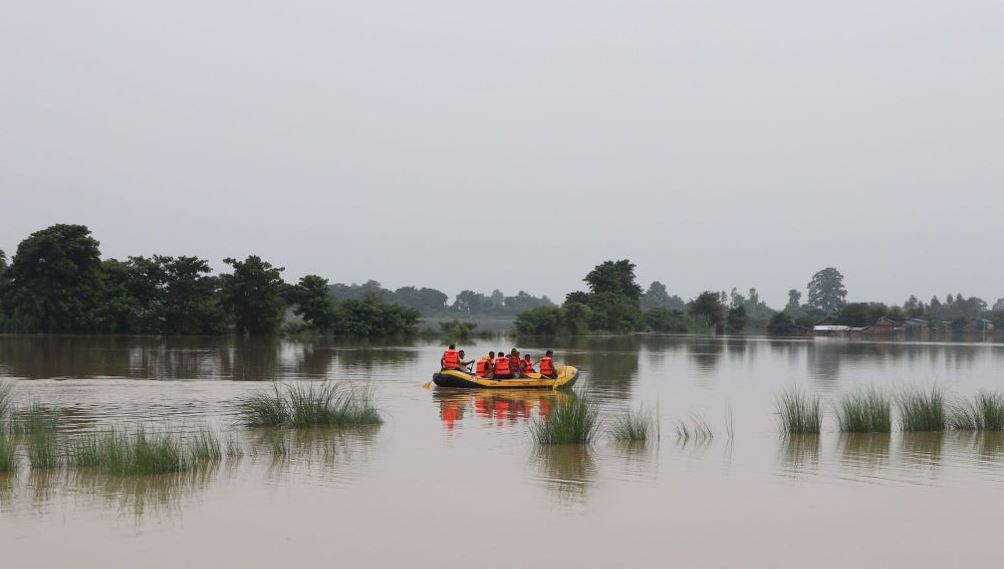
(614, 277)
(826, 290)
(190, 297)
(312, 301)
(253, 295)
(781, 324)
(708, 306)
(575, 317)
(543, 320)
(735, 320)
(613, 312)
(794, 301)
(661, 319)
(55, 281)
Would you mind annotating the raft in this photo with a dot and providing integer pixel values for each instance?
(567, 376)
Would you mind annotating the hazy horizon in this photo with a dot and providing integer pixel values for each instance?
(716, 145)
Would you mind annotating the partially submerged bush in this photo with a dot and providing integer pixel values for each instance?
(326, 404)
(867, 411)
(984, 412)
(632, 427)
(574, 420)
(798, 413)
(922, 410)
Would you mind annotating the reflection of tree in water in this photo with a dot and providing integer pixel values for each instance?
(706, 353)
(312, 360)
(866, 451)
(738, 348)
(824, 360)
(250, 359)
(799, 454)
(174, 357)
(40, 357)
(611, 363)
(370, 356)
(657, 347)
(567, 471)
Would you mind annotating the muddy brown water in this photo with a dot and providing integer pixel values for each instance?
(452, 477)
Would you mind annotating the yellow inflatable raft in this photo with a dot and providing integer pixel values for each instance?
(567, 376)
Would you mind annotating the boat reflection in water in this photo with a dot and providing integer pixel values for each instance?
(501, 406)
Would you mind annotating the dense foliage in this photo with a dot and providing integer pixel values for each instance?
(57, 283)
(432, 302)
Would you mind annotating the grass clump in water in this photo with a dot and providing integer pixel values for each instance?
(128, 453)
(8, 451)
(6, 398)
(36, 418)
(312, 405)
(798, 413)
(204, 447)
(573, 421)
(922, 410)
(696, 428)
(44, 452)
(984, 412)
(634, 427)
(867, 411)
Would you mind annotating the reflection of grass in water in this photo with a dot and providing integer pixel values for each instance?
(867, 411)
(984, 412)
(634, 427)
(574, 420)
(800, 451)
(922, 411)
(141, 494)
(923, 447)
(311, 405)
(234, 450)
(44, 452)
(568, 469)
(798, 413)
(8, 451)
(865, 449)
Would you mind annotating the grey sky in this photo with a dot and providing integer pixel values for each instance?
(515, 144)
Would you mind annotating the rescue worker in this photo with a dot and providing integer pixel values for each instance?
(514, 362)
(486, 365)
(503, 369)
(547, 365)
(526, 366)
(464, 364)
(451, 358)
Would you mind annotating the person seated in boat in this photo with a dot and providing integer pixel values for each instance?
(526, 366)
(502, 368)
(465, 365)
(486, 365)
(547, 365)
(514, 362)
(451, 358)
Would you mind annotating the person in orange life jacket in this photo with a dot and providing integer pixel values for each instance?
(526, 366)
(514, 362)
(451, 358)
(502, 368)
(547, 365)
(465, 365)
(486, 365)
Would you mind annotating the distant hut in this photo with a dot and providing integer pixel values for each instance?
(917, 328)
(979, 327)
(882, 327)
(828, 327)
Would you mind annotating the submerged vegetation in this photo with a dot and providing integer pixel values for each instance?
(696, 427)
(798, 413)
(310, 405)
(983, 412)
(8, 451)
(922, 410)
(574, 420)
(633, 427)
(866, 411)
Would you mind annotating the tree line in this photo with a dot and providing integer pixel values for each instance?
(433, 302)
(57, 282)
(615, 303)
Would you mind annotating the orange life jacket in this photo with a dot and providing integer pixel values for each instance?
(547, 365)
(527, 366)
(502, 366)
(451, 359)
(481, 368)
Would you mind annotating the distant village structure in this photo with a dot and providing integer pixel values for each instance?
(912, 328)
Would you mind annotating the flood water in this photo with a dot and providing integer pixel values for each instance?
(452, 478)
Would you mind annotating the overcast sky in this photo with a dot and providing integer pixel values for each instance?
(515, 144)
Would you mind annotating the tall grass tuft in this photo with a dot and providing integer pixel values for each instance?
(44, 452)
(922, 410)
(573, 421)
(311, 405)
(205, 447)
(266, 409)
(798, 413)
(84, 451)
(8, 451)
(867, 411)
(36, 418)
(984, 412)
(634, 427)
(6, 398)
(128, 453)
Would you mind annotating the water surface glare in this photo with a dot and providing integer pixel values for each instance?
(452, 476)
